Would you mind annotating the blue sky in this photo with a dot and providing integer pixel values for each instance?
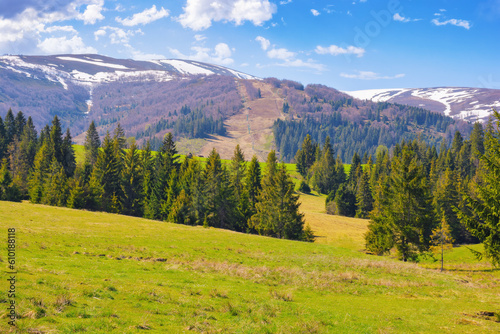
(345, 44)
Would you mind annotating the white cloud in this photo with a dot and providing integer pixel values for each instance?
(285, 2)
(335, 50)
(264, 43)
(199, 38)
(368, 75)
(92, 13)
(282, 54)
(144, 17)
(117, 35)
(300, 63)
(99, 33)
(53, 29)
(62, 45)
(315, 12)
(21, 32)
(221, 54)
(400, 18)
(199, 14)
(459, 23)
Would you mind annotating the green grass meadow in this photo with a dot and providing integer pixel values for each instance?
(90, 272)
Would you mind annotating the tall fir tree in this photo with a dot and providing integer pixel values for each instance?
(305, 157)
(105, 179)
(92, 144)
(68, 155)
(483, 217)
(132, 182)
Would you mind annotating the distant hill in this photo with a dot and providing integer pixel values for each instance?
(218, 106)
(471, 104)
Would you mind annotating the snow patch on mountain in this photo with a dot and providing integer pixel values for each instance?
(446, 96)
(376, 95)
(96, 62)
(472, 104)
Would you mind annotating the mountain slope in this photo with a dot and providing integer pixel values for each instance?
(64, 85)
(471, 104)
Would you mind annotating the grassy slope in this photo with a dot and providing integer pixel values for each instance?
(103, 273)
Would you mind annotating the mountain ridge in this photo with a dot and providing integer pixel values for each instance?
(467, 103)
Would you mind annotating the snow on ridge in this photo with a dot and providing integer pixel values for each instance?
(376, 95)
(95, 62)
(102, 77)
(445, 96)
(185, 67)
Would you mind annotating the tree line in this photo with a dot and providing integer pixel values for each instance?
(143, 183)
(415, 192)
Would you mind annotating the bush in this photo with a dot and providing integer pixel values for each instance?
(304, 188)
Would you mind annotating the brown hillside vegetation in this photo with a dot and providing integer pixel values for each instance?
(251, 128)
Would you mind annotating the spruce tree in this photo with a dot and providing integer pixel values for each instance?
(10, 127)
(8, 190)
(68, 155)
(220, 200)
(132, 182)
(324, 178)
(277, 211)
(253, 182)
(92, 144)
(484, 222)
(407, 217)
(56, 140)
(105, 179)
(41, 167)
(305, 157)
(56, 191)
(3, 140)
(364, 199)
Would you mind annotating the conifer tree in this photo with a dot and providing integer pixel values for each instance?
(364, 199)
(56, 141)
(253, 183)
(277, 212)
(180, 212)
(132, 182)
(237, 174)
(324, 178)
(219, 195)
(484, 223)
(41, 167)
(68, 155)
(8, 190)
(56, 189)
(446, 197)
(3, 140)
(441, 239)
(408, 213)
(92, 144)
(105, 179)
(119, 137)
(19, 123)
(305, 157)
(10, 127)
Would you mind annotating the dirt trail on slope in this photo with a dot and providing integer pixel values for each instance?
(251, 128)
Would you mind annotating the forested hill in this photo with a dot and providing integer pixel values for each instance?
(221, 106)
(354, 125)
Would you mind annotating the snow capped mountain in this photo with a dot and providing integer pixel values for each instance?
(472, 104)
(89, 70)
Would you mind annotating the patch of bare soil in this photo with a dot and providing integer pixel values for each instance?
(252, 127)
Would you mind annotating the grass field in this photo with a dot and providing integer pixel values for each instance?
(88, 272)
